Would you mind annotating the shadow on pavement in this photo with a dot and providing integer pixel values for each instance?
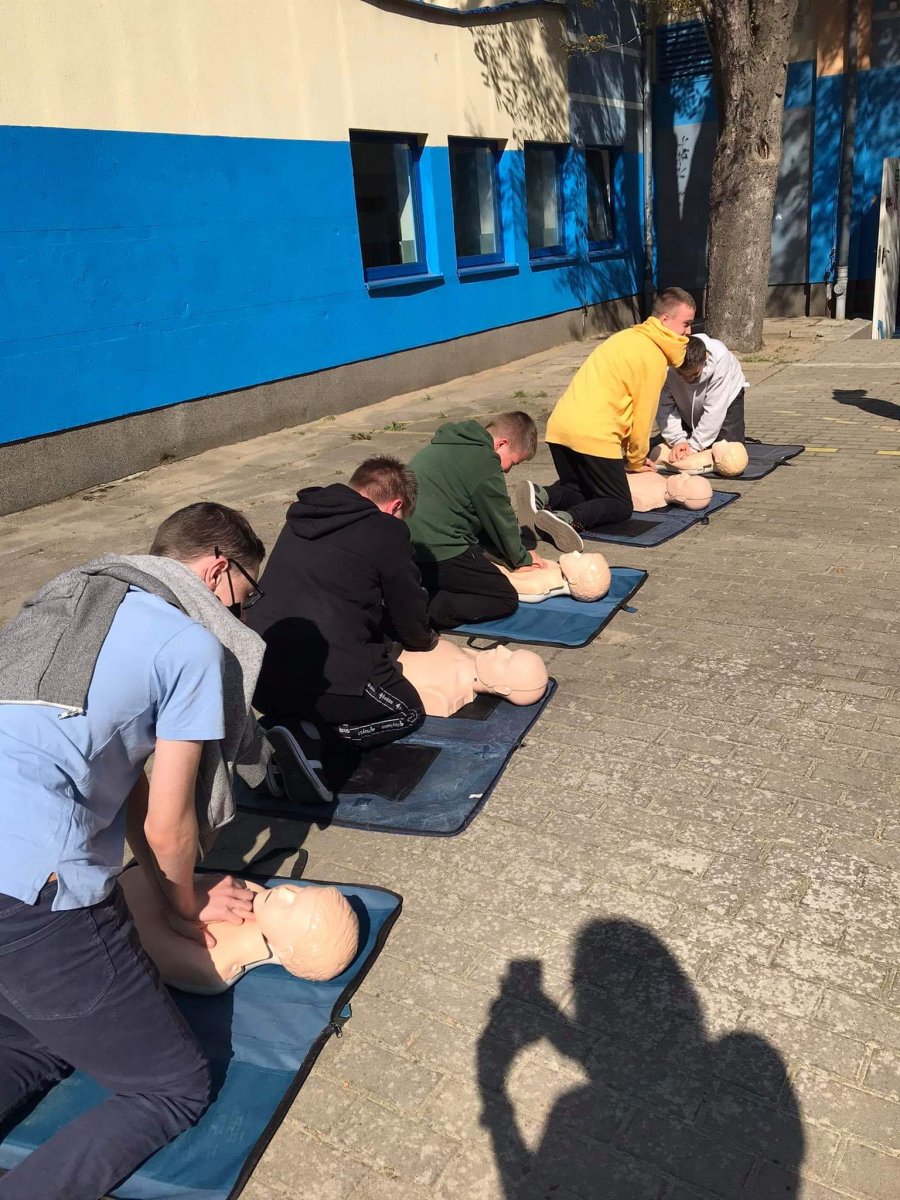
(662, 1099)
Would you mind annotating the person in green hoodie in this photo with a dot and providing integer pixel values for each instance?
(463, 502)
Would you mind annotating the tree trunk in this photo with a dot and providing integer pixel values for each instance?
(750, 41)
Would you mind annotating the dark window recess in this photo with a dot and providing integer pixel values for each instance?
(600, 224)
(544, 199)
(476, 207)
(387, 205)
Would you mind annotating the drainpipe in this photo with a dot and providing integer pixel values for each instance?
(845, 202)
(647, 147)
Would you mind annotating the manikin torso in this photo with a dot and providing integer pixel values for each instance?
(651, 490)
(728, 459)
(450, 676)
(314, 926)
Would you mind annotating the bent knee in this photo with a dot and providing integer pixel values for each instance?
(188, 1098)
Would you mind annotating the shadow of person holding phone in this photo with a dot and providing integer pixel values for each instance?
(662, 1100)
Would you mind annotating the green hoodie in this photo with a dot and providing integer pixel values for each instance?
(462, 498)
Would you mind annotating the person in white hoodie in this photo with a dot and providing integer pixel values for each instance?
(702, 401)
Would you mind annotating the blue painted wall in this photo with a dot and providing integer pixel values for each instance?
(877, 138)
(684, 142)
(146, 269)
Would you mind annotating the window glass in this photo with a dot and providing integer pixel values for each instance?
(386, 202)
(599, 202)
(543, 198)
(473, 176)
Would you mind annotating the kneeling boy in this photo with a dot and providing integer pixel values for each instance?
(703, 400)
(463, 501)
(339, 586)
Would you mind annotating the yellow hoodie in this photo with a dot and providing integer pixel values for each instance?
(608, 408)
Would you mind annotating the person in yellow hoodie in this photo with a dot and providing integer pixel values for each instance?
(600, 428)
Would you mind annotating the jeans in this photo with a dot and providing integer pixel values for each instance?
(77, 990)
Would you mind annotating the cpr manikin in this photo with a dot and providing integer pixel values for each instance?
(581, 576)
(728, 459)
(450, 676)
(311, 931)
(651, 490)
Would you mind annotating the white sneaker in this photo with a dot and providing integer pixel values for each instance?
(525, 504)
(563, 534)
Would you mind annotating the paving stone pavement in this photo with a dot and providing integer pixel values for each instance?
(663, 963)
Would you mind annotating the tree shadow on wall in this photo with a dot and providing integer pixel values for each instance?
(662, 1098)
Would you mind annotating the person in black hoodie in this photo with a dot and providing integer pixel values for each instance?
(340, 587)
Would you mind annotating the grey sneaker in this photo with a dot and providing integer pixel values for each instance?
(557, 527)
(525, 504)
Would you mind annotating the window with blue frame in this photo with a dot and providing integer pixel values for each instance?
(476, 201)
(601, 226)
(388, 205)
(544, 165)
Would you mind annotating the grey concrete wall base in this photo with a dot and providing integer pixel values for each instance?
(42, 469)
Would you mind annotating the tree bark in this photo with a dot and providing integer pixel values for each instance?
(750, 40)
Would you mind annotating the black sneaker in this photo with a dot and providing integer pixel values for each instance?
(299, 774)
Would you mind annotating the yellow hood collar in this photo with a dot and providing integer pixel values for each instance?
(671, 344)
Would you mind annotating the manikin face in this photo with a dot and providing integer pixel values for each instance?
(313, 931)
(679, 320)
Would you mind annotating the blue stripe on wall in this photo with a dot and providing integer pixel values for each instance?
(800, 82)
(147, 269)
(877, 138)
(826, 174)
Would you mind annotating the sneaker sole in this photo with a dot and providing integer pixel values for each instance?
(299, 774)
(525, 504)
(560, 532)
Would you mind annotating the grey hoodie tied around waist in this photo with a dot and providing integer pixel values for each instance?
(49, 650)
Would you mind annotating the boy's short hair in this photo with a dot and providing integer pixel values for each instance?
(519, 429)
(695, 354)
(383, 478)
(669, 299)
(198, 529)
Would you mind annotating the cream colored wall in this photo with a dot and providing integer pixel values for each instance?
(310, 69)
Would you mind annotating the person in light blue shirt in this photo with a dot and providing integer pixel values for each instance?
(76, 989)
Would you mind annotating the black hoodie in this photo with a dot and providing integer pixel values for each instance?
(340, 578)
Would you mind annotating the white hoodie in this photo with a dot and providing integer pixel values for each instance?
(702, 405)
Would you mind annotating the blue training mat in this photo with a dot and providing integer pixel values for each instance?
(432, 783)
(561, 621)
(262, 1037)
(764, 457)
(654, 528)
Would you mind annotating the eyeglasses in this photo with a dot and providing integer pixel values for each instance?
(239, 606)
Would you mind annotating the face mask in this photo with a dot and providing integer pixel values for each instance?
(235, 609)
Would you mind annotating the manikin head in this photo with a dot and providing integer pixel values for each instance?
(312, 931)
(514, 436)
(729, 458)
(388, 483)
(520, 676)
(690, 491)
(587, 575)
